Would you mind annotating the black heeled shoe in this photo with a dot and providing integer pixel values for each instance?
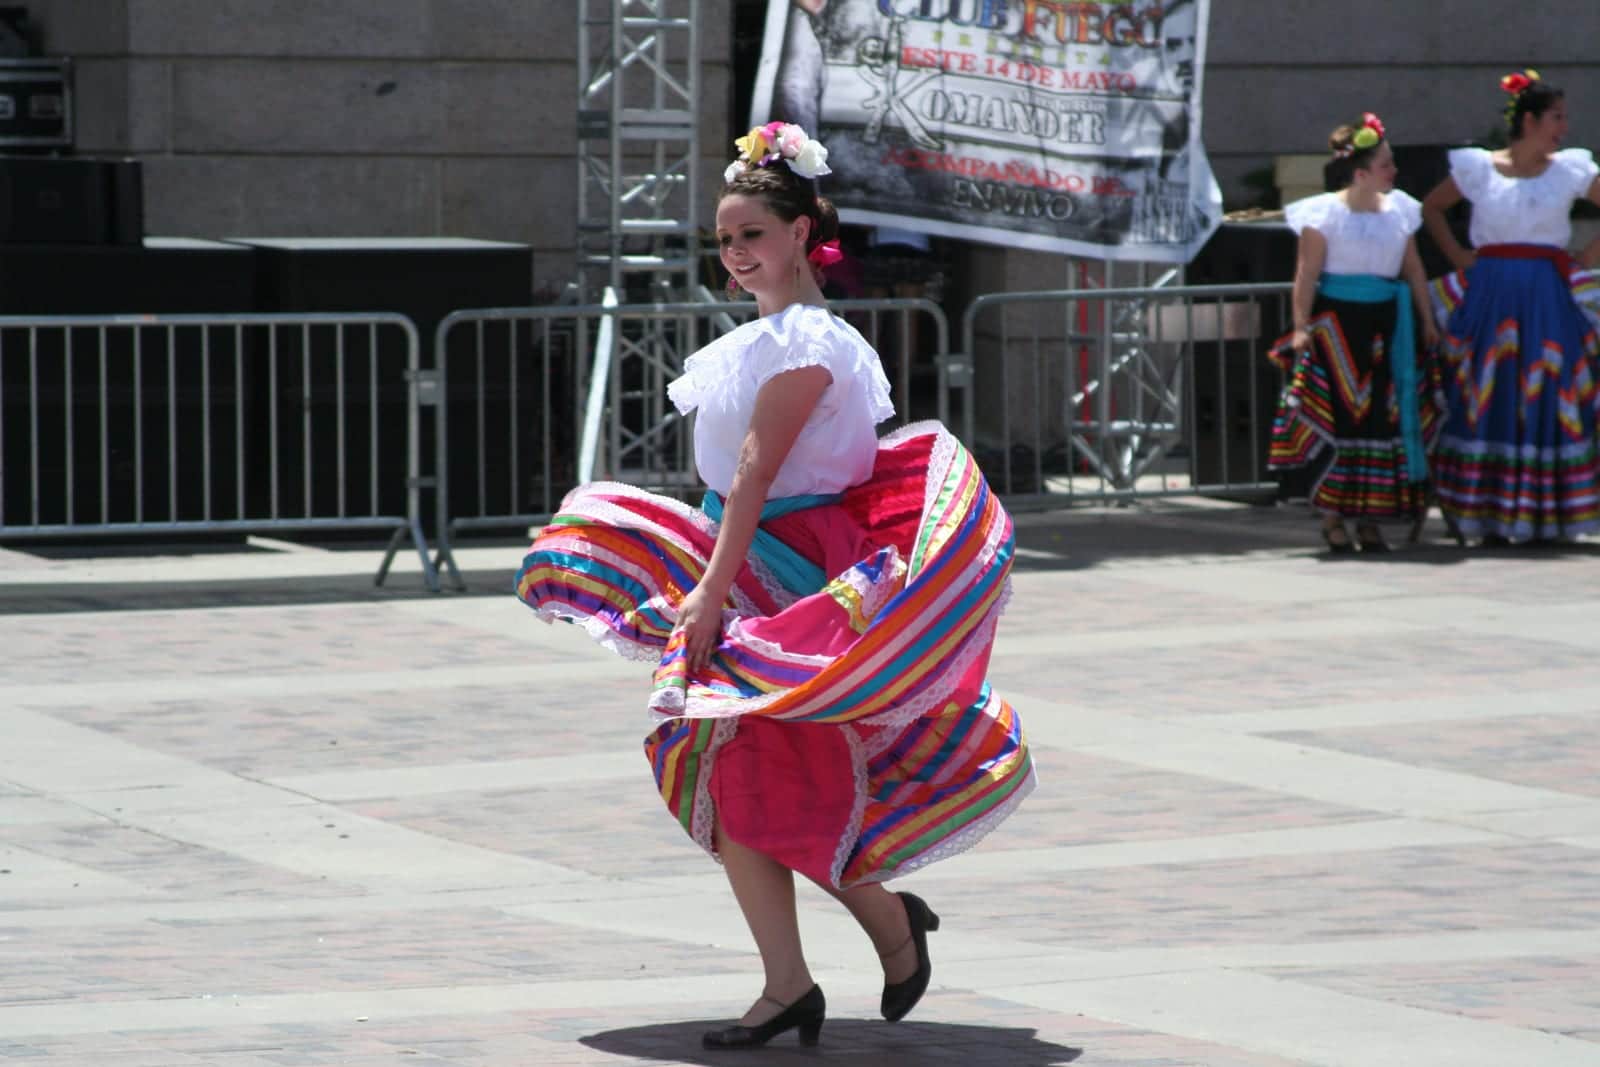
(805, 1014)
(900, 997)
(1338, 546)
(1370, 538)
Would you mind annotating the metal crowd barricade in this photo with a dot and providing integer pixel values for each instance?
(180, 424)
(516, 399)
(1125, 392)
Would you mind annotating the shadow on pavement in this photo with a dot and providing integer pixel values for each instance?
(1090, 537)
(845, 1041)
(1437, 554)
(50, 599)
(1448, 553)
(1066, 540)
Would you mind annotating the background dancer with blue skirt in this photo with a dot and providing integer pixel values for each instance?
(1517, 460)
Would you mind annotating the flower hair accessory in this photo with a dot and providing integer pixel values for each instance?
(825, 255)
(1367, 136)
(765, 145)
(1515, 85)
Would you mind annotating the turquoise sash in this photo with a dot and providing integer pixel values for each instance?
(1373, 289)
(796, 573)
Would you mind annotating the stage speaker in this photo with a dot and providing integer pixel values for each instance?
(1235, 398)
(158, 276)
(425, 278)
(1235, 389)
(1245, 252)
(71, 201)
(1421, 168)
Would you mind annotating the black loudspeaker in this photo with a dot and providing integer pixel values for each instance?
(1245, 252)
(71, 201)
(425, 278)
(1234, 388)
(157, 276)
(1422, 167)
(56, 401)
(1235, 398)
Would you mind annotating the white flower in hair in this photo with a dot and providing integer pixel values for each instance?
(765, 145)
(810, 159)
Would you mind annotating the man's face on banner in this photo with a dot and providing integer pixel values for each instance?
(1178, 31)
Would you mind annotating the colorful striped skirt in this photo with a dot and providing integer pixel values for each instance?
(1337, 436)
(1518, 457)
(848, 732)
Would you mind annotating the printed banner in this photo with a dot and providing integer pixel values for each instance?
(1056, 125)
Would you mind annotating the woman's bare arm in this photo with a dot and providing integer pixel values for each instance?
(1313, 252)
(1446, 195)
(1417, 279)
(1590, 256)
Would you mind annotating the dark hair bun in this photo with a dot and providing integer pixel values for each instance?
(827, 222)
(1533, 101)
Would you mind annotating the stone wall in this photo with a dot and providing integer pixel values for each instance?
(456, 117)
(1280, 76)
(348, 117)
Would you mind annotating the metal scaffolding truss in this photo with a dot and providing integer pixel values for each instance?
(638, 149)
(1126, 410)
(638, 222)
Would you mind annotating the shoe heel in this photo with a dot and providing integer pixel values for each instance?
(810, 1033)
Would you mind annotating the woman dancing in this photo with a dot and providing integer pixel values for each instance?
(821, 626)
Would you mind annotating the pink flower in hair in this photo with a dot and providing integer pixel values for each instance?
(774, 131)
(791, 139)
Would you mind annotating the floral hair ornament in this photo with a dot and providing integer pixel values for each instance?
(1515, 85)
(824, 255)
(765, 145)
(1366, 136)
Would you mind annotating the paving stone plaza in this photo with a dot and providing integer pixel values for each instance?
(1293, 810)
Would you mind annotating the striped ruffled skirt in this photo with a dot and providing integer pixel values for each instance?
(1337, 437)
(1518, 457)
(847, 731)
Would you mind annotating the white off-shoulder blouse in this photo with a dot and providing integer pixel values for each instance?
(1359, 242)
(1533, 211)
(838, 444)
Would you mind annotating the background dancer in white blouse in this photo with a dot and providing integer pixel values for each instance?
(1354, 418)
(1517, 459)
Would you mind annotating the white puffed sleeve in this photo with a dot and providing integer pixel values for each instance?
(794, 343)
(1311, 213)
(1471, 168)
(1578, 167)
(812, 337)
(1408, 208)
(713, 378)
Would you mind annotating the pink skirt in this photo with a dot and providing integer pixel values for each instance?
(848, 732)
